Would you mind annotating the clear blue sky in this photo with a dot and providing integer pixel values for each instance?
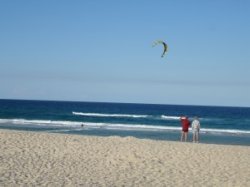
(102, 51)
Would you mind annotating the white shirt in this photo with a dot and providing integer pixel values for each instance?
(196, 125)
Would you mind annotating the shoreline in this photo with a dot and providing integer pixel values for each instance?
(38, 158)
(171, 135)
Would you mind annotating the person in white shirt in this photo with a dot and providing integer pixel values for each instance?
(196, 129)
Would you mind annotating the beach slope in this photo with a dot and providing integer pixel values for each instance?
(43, 159)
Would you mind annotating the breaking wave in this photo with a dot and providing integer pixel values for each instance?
(77, 124)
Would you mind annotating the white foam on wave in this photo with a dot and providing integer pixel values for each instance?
(73, 124)
(109, 115)
(230, 131)
(170, 117)
(39, 122)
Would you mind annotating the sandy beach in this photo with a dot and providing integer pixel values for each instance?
(42, 159)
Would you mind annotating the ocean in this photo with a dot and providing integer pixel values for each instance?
(219, 125)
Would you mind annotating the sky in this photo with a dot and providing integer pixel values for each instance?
(95, 50)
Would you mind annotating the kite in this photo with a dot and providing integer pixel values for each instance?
(164, 45)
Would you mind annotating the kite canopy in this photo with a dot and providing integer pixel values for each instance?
(164, 45)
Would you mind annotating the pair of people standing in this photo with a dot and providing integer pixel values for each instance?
(185, 126)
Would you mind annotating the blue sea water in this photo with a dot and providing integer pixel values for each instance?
(220, 125)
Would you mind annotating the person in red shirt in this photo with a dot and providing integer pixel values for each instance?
(185, 123)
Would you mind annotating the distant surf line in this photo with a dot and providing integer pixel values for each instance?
(109, 115)
(125, 115)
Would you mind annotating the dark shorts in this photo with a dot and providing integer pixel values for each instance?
(185, 130)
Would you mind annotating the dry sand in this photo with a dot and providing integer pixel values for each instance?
(41, 159)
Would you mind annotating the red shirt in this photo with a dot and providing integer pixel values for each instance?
(185, 124)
